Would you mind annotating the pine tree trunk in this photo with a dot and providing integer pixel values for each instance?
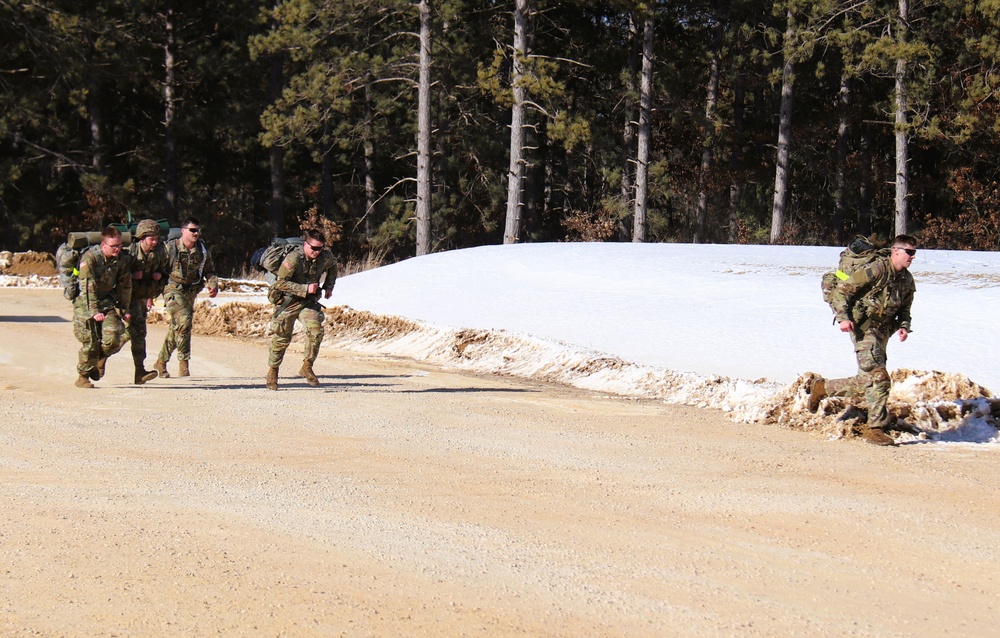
(781, 164)
(843, 148)
(708, 144)
(96, 125)
(902, 170)
(371, 197)
(645, 114)
(276, 155)
(736, 159)
(424, 134)
(170, 178)
(515, 171)
(628, 132)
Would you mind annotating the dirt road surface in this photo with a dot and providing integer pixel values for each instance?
(402, 500)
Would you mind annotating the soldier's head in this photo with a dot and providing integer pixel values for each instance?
(147, 233)
(313, 243)
(111, 242)
(190, 232)
(904, 249)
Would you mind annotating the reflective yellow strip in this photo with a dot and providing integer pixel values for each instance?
(841, 275)
(76, 273)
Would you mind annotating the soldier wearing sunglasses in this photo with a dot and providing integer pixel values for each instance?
(872, 305)
(307, 272)
(191, 269)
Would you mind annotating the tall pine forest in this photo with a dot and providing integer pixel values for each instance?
(422, 126)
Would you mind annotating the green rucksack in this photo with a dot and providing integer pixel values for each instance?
(68, 263)
(858, 254)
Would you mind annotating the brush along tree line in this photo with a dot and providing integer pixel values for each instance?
(426, 125)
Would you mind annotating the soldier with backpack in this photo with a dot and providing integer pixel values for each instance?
(306, 271)
(871, 302)
(191, 269)
(149, 266)
(105, 291)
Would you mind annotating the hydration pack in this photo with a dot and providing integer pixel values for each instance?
(268, 259)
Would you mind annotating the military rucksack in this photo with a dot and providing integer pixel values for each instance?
(268, 259)
(858, 254)
(68, 263)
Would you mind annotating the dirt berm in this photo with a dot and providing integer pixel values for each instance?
(401, 500)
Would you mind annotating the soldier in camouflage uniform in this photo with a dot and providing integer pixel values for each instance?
(872, 304)
(105, 292)
(305, 271)
(149, 266)
(190, 265)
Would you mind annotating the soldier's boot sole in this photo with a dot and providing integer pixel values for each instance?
(817, 393)
(271, 380)
(83, 382)
(306, 371)
(877, 436)
(183, 369)
(161, 369)
(142, 376)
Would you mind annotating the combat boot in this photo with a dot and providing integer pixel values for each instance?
(877, 436)
(307, 371)
(142, 375)
(103, 361)
(817, 393)
(161, 369)
(83, 382)
(272, 379)
(183, 370)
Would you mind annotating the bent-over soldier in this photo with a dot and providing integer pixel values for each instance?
(98, 311)
(306, 271)
(191, 269)
(872, 304)
(149, 266)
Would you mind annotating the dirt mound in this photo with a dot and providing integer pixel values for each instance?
(26, 264)
(927, 405)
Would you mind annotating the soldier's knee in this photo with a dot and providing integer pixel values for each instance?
(881, 379)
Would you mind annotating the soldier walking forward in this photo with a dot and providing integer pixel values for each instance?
(190, 266)
(305, 271)
(872, 304)
(149, 266)
(105, 293)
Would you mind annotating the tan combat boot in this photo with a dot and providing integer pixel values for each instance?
(83, 382)
(307, 371)
(161, 369)
(103, 361)
(142, 375)
(183, 370)
(877, 436)
(817, 393)
(272, 379)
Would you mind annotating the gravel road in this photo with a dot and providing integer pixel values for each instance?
(404, 500)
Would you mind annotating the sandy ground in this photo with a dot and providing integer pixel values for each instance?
(400, 499)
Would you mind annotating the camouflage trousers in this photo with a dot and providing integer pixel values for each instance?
(180, 307)
(137, 331)
(283, 324)
(100, 339)
(872, 382)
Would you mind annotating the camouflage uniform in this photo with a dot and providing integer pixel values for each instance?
(142, 290)
(189, 271)
(105, 287)
(877, 300)
(289, 294)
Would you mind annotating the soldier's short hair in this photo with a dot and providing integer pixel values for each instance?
(110, 233)
(904, 240)
(313, 234)
(189, 221)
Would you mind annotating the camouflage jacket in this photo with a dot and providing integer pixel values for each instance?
(190, 269)
(147, 264)
(105, 283)
(875, 296)
(297, 272)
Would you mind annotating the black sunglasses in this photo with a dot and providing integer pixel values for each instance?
(193, 230)
(316, 248)
(909, 251)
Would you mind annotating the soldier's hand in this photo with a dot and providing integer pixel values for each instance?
(149, 304)
(157, 276)
(212, 292)
(128, 317)
(99, 316)
(137, 275)
(311, 289)
(903, 334)
(327, 293)
(846, 325)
